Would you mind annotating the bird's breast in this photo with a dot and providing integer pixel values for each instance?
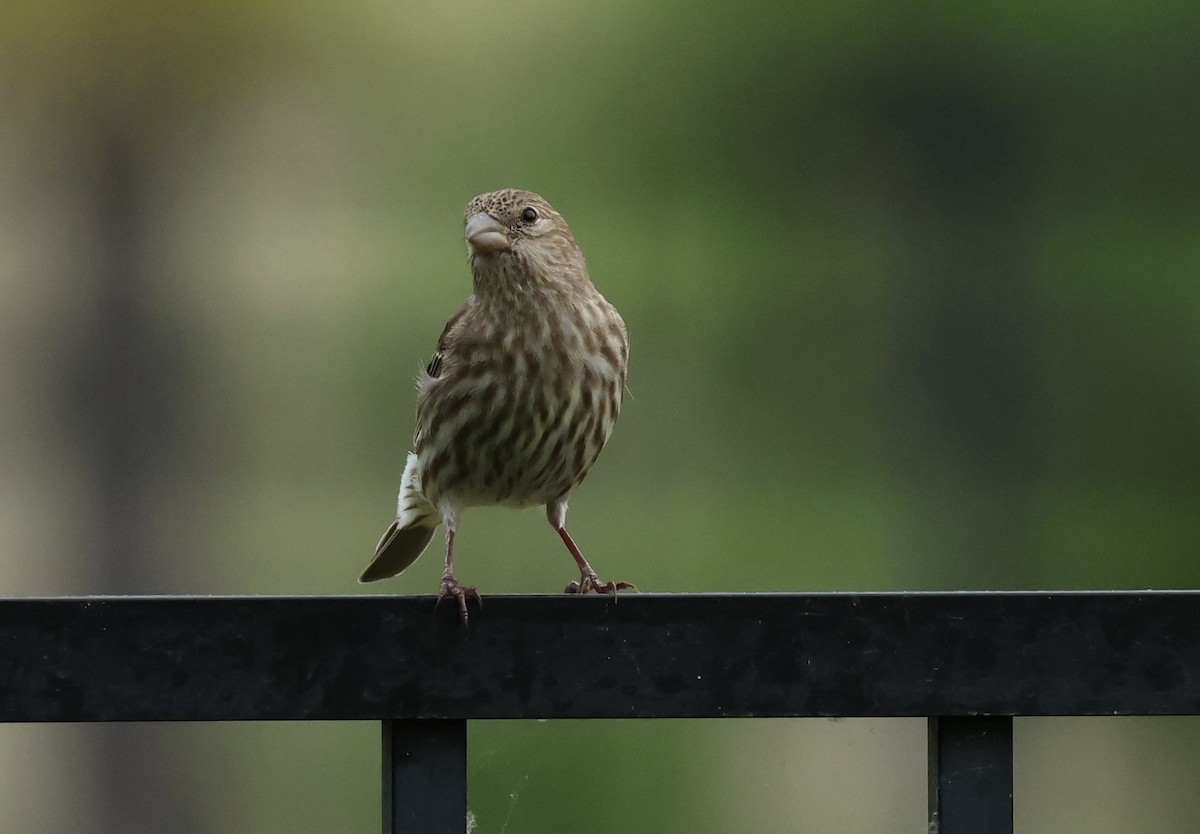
(522, 421)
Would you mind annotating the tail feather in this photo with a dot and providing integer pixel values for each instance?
(398, 549)
(409, 534)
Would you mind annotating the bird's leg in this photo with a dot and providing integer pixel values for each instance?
(588, 580)
(450, 586)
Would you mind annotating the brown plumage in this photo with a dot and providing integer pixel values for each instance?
(521, 395)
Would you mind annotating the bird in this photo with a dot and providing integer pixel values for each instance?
(521, 394)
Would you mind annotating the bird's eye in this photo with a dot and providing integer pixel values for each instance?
(529, 215)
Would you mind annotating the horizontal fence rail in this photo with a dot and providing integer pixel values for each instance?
(641, 656)
(967, 661)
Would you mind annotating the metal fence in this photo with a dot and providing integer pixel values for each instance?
(967, 661)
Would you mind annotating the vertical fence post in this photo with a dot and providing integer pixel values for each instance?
(970, 775)
(424, 777)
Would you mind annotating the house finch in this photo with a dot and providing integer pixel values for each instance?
(521, 395)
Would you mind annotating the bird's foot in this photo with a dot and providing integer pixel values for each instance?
(451, 588)
(589, 582)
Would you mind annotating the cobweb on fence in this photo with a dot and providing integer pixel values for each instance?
(486, 759)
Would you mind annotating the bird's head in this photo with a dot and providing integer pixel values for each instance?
(516, 236)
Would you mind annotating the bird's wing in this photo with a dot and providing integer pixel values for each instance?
(443, 363)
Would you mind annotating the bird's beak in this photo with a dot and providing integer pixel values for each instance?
(485, 235)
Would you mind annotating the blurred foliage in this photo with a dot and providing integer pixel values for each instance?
(913, 301)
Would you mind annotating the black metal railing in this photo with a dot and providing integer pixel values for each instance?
(967, 661)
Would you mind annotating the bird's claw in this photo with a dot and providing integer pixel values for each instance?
(451, 588)
(589, 582)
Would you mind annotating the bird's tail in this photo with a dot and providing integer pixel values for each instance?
(410, 533)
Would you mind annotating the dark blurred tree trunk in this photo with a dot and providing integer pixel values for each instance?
(124, 413)
(963, 387)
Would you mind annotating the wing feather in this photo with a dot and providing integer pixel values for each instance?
(442, 365)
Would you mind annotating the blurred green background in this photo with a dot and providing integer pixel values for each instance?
(912, 290)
